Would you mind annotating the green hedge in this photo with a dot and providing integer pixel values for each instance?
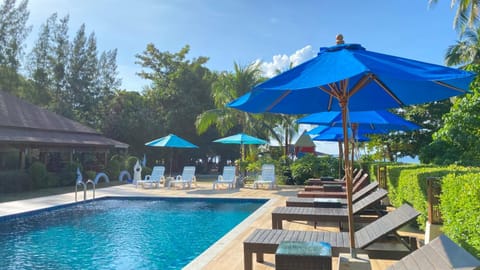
(407, 183)
(310, 166)
(460, 208)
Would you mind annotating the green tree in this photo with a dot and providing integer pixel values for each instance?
(179, 90)
(457, 140)
(13, 32)
(466, 50)
(466, 15)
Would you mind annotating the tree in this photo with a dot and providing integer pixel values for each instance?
(466, 50)
(467, 13)
(458, 138)
(179, 90)
(13, 32)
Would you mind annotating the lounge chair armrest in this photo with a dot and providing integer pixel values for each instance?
(220, 178)
(147, 177)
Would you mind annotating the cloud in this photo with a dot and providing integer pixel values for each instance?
(281, 62)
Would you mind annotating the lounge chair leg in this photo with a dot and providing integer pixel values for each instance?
(247, 260)
(259, 256)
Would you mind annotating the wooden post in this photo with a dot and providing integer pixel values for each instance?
(434, 189)
(382, 176)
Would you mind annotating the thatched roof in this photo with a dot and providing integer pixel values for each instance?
(25, 123)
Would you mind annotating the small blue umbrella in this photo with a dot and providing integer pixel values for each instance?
(347, 77)
(242, 139)
(172, 141)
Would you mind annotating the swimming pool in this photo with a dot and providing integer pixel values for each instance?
(119, 233)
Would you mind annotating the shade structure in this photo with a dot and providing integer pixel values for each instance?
(172, 141)
(376, 121)
(241, 139)
(347, 77)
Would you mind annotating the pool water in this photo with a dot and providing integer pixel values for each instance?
(119, 233)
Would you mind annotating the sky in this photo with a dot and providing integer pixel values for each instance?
(275, 32)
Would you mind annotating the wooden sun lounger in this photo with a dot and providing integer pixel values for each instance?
(334, 194)
(310, 202)
(321, 181)
(440, 254)
(358, 180)
(263, 241)
(315, 214)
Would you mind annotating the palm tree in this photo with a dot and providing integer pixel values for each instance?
(466, 51)
(228, 87)
(467, 14)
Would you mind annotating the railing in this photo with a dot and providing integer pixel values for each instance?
(93, 187)
(85, 187)
(84, 190)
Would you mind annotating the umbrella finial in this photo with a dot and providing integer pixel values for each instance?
(339, 39)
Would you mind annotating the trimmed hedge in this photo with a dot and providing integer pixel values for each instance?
(407, 183)
(460, 207)
(459, 199)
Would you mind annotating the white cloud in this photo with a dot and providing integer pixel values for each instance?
(281, 62)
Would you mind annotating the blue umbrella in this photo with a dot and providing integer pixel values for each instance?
(347, 77)
(172, 141)
(242, 139)
(376, 121)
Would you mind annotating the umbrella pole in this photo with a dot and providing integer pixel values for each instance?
(348, 178)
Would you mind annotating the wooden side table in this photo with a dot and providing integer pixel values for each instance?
(303, 255)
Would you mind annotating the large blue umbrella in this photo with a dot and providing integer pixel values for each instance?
(365, 120)
(172, 141)
(347, 77)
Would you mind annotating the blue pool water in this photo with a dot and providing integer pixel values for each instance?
(119, 233)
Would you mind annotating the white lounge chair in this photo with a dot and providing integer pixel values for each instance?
(187, 179)
(156, 178)
(228, 177)
(267, 176)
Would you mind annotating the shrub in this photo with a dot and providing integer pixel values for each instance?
(15, 181)
(39, 175)
(407, 183)
(460, 208)
(68, 175)
(310, 166)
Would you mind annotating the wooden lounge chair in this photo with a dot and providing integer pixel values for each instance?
(310, 202)
(322, 180)
(341, 186)
(227, 178)
(263, 241)
(316, 214)
(334, 194)
(440, 254)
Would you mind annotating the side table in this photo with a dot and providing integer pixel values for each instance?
(303, 255)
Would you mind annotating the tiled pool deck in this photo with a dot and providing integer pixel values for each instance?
(227, 253)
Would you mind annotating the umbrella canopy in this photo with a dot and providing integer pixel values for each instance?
(241, 138)
(347, 77)
(364, 120)
(171, 140)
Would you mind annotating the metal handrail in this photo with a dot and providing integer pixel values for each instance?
(93, 185)
(84, 190)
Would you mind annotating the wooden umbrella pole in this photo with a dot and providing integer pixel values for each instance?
(348, 178)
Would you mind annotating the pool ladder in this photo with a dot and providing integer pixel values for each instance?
(85, 187)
